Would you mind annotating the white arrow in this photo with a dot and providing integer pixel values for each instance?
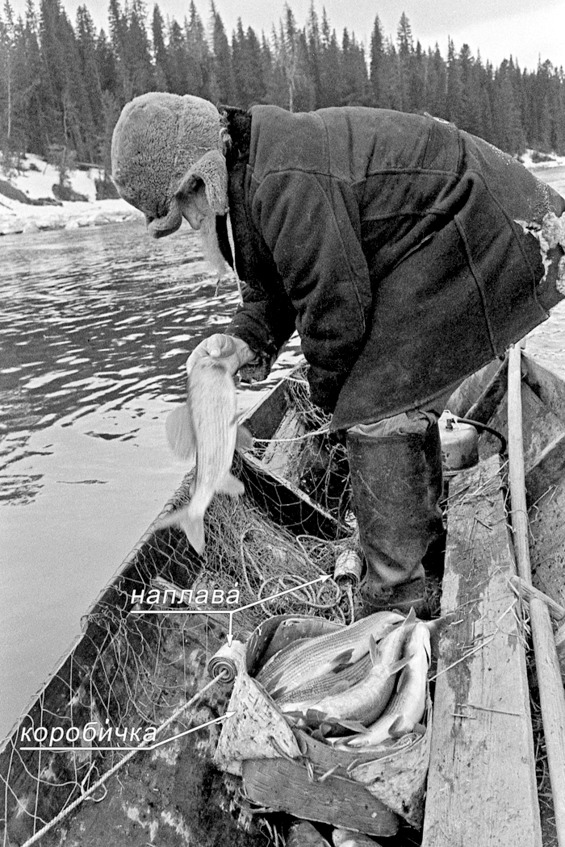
(229, 612)
(127, 749)
(281, 593)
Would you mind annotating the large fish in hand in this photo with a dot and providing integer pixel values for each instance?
(205, 428)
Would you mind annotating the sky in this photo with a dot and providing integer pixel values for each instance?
(527, 30)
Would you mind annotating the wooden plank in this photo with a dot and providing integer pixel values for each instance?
(544, 442)
(547, 384)
(482, 782)
(288, 786)
(551, 694)
(284, 502)
(547, 543)
(282, 454)
(481, 390)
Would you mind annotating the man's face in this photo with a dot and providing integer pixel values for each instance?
(194, 205)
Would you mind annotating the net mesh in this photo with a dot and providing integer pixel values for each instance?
(137, 671)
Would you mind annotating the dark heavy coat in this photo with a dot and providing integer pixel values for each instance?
(393, 242)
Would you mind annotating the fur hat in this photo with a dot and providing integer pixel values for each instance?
(162, 142)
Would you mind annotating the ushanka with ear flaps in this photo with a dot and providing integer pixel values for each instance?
(161, 143)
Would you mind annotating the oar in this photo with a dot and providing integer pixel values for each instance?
(552, 696)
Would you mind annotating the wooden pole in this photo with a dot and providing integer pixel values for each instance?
(552, 696)
(521, 587)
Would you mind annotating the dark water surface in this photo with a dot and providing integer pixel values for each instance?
(95, 328)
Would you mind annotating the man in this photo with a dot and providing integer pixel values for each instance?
(407, 255)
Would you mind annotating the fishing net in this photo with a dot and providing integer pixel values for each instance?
(138, 674)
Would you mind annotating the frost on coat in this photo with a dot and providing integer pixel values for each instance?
(551, 237)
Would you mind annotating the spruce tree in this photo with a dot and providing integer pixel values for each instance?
(377, 64)
(160, 56)
(224, 84)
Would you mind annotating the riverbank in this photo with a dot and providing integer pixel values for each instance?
(37, 178)
(39, 209)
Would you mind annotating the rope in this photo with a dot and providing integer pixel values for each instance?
(63, 814)
(322, 431)
(232, 245)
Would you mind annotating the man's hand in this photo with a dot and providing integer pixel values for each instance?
(233, 352)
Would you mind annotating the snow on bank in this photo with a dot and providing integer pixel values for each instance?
(37, 178)
(530, 159)
(36, 182)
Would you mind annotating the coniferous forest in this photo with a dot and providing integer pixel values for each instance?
(62, 85)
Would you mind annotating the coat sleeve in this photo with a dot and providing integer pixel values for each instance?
(312, 227)
(265, 321)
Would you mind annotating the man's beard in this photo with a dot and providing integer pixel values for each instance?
(210, 246)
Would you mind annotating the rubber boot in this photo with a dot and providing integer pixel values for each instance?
(396, 484)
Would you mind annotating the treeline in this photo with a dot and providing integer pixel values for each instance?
(62, 86)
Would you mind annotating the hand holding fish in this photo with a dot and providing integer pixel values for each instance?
(233, 352)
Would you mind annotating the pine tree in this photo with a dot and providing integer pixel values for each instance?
(138, 51)
(437, 85)
(377, 66)
(469, 112)
(355, 80)
(224, 88)
(247, 67)
(86, 41)
(7, 81)
(35, 136)
(454, 85)
(508, 129)
(160, 57)
(331, 77)
(198, 58)
(417, 80)
(314, 53)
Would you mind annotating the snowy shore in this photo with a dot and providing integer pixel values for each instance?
(37, 179)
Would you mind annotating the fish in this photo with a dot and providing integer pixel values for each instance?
(407, 705)
(364, 702)
(315, 657)
(301, 699)
(205, 429)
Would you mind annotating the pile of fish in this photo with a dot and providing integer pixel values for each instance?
(358, 686)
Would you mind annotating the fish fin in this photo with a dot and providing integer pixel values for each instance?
(342, 660)
(436, 628)
(174, 519)
(410, 617)
(180, 433)
(191, 522)
(294, 716)
(244, 439)
(400, 727)
(401, 663)
(231, 485)
(352, 726)
(373, 649)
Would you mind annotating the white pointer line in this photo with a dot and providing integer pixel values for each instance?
(127, 749)
(229, 611)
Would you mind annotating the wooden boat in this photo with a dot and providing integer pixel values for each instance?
(138, 676)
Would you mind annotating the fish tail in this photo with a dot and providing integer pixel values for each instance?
(401, 726)
(189, 520)
(193, 525)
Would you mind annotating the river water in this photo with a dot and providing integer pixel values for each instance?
(95, 328)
